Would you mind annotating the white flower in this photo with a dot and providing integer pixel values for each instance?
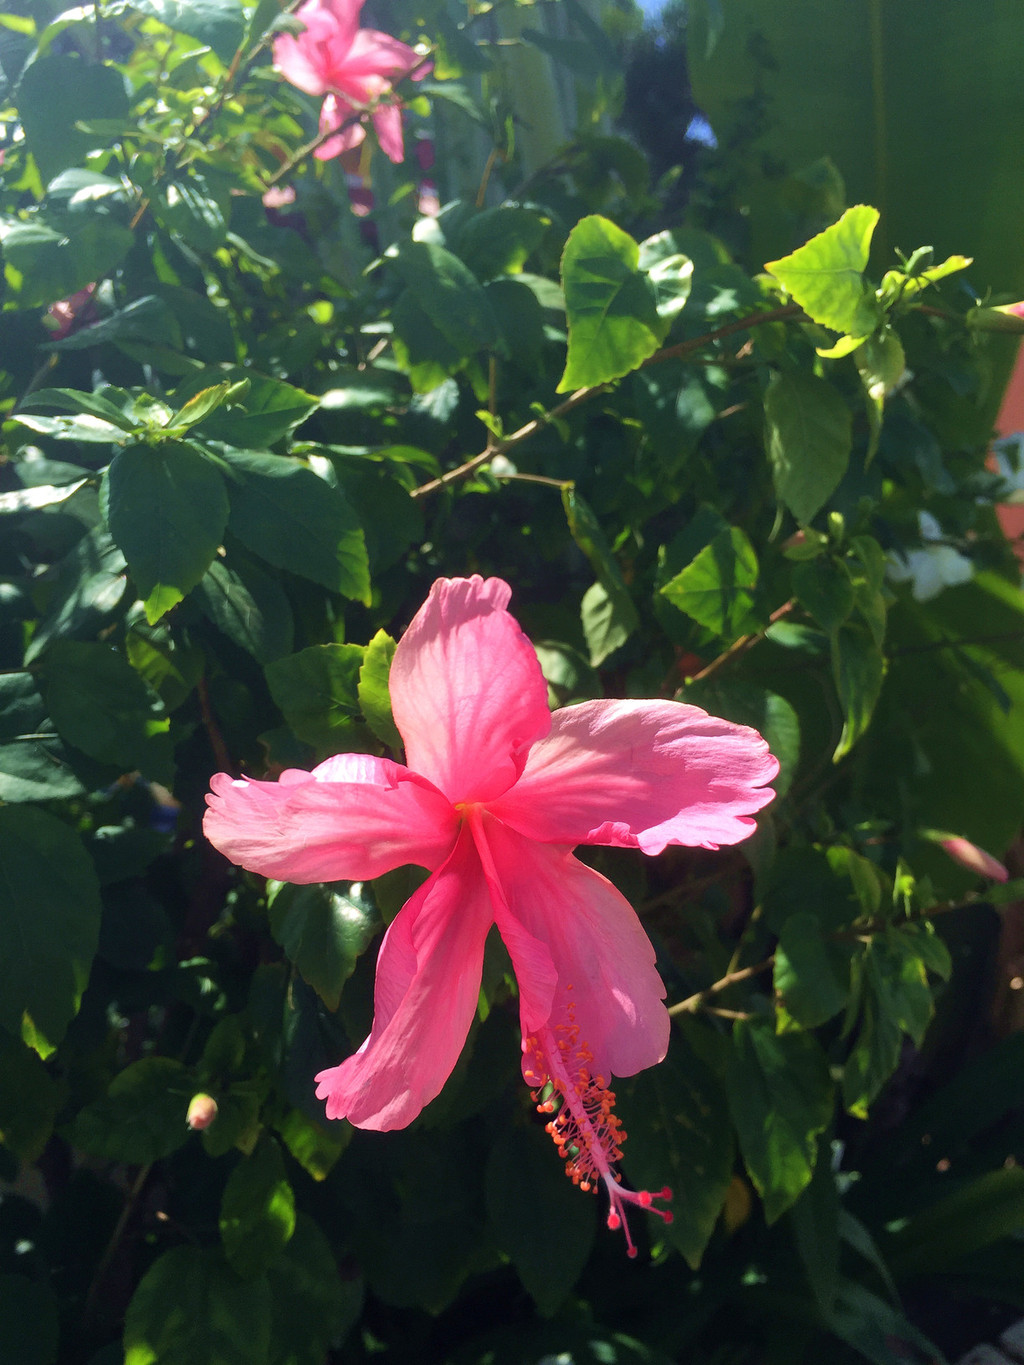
(933, 567)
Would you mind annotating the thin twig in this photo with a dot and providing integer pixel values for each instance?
(695, 1002)
(744, 643)
(683, 348)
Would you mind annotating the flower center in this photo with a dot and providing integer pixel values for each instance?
(585, 1129)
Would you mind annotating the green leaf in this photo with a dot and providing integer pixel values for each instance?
(192, 1309)
(943, 1234)
(257, 1212)
(608, 614)
(323, 928)
(29, 1320)
(166, 507)
(101, 706)
(84, 428)
(858, 667)
(195, 208)
(29, 1100)
(316, 1147)
(449, 294)
(780, 1095)
(34, 765)
(671, 278)
(825, 276)
(610, 305)
(219, 24)
(823, 588)
(808, 438)
(141, 1118)
(814, 1219)
(549, 1236)
(317, 693)
(607, 622)
(249, 606)
(49, 925)
(680, 1135)
(312, 1306)
(499, 241)
(374, 697)
(893, 998)
(717, 589)
(58, 91)
(55, 262)
(294, 520)
(169, 663)
(147, 320)
(267, 413)
(76, 401)
(812, 973)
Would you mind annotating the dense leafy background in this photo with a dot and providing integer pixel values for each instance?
(692, 404)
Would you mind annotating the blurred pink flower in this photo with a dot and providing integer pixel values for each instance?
(496, 794)
(202, 1111)
(353, 68)
(67, 315)
(975, 859)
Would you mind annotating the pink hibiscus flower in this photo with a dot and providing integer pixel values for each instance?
(353, 68)
(495, 794)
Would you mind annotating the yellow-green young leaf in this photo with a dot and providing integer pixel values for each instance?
(717, 589)
(257, 1212)
(808, 438)
(166, 507)
(781, 1098)
(191, 1308)
(49, 924)
(825, 276)
(610, 304)
(374, 697)
(315, 1146)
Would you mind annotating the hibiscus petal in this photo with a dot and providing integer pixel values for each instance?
(378, 54)
(310, 59)
(428, 984)
(467, 691)
(336, 113)
(560, 916)
(641, 774)
(387, 124)
(353, 817)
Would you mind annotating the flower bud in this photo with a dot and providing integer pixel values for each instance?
(202, 1111)
(975, 859)
(1003, 317)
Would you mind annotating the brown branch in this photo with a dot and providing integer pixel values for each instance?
(744, 643)
(213, 734)
(693, 1003)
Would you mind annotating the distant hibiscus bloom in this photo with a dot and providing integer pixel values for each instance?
(353, 68)
(496, 794)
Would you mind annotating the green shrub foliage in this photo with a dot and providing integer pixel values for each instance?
(728, 446)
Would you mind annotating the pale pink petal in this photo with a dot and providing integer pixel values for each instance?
(387, 124)
(578, 946)
(336, 113)
(642, 774)
(354, 817)
(428, 984)
(467, 691)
